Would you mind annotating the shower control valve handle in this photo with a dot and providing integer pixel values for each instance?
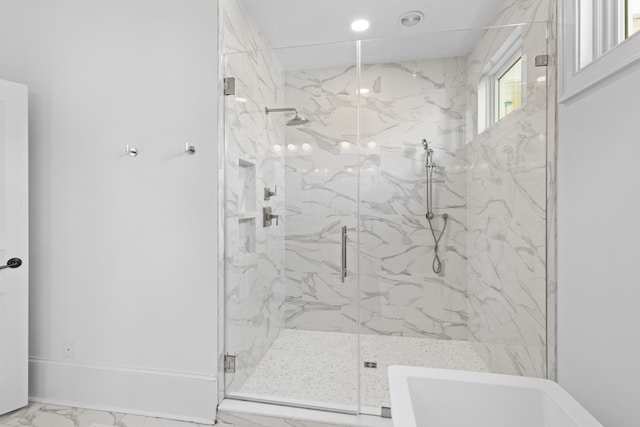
(268, 194)
(268, 217)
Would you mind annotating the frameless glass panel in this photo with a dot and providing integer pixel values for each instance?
(452, 220)
(291, 207)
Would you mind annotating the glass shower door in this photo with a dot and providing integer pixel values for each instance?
(291, 279)
(464, 289)
(254, 253)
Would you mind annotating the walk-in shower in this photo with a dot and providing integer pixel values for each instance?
(445, 242)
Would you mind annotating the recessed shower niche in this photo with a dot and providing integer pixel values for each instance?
(246, 235)
(247, 196)
(247, 208)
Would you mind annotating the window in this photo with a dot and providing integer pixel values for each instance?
(632, 17)
(597, 39)
(510, 90)
(602, 24)
(500, 89)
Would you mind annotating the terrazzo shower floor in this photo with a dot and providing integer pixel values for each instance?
(321, 367)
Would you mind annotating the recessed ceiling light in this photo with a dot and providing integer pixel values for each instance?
(291, 147)
(360, 25)
(363, 91)
(239, 99)
(412, 18)
(306, 146)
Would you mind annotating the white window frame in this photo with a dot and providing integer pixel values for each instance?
(504, 58)
(606, 42)
(496, 83)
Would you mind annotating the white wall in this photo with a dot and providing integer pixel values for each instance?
(123, 250)
(598, 285)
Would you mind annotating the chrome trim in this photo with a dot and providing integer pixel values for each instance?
(285, 404)
(343, 274)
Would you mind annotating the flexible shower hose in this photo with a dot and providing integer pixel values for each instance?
(437, 264)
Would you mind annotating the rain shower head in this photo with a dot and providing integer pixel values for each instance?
(298, 120)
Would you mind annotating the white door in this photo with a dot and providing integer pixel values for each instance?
(14, 227)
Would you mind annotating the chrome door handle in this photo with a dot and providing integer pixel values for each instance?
(343, 273)
(12, 263)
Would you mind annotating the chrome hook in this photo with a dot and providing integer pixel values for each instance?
(131, 151)
(189, 149)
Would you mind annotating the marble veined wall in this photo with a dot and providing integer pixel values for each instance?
(254, 256)
(400, 294)
(322, 197)
(507, 213)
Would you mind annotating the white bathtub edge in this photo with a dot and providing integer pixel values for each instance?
(401, 401)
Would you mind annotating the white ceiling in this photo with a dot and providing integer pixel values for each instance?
(287, 23)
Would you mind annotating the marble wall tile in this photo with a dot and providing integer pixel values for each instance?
(552, 162)
(254, 280)
(552, 262)
(523, 11)
(507, 212)
(400, 294)
(322, 197)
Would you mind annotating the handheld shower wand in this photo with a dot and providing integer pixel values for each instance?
(430, 166)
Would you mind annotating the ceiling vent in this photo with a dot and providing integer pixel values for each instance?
(411, 19)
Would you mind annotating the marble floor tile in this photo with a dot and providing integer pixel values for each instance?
(322, 367)
(44, 415)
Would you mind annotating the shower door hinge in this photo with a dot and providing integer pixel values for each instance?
(385, 412)
(373, 365)
(229, 86)
(542, 60)
(229, 364)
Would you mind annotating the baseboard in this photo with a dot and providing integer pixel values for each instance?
(173, 395)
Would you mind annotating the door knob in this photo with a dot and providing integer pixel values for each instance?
(12, 263)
